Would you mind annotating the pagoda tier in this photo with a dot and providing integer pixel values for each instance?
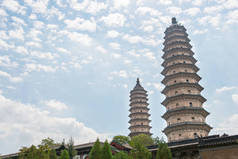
(185, 115)
(178, 58)
(139, 111)
(176, 38)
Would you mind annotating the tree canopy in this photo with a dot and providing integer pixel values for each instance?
(121, 139)
(139, 151)
(163, 151)
(106, 151)
(72, 152)
(96, 151)
(64, 154)
(141, 139)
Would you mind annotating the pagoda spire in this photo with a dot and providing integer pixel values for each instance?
(185, 115)
(139, 111)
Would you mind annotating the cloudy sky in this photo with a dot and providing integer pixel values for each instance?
(67, 66)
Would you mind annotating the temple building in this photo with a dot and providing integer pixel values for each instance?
(139, 111)
(185, 115)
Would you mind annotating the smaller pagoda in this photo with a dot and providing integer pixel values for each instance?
(139, 111)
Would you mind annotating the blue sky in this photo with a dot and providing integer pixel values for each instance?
(67, 66)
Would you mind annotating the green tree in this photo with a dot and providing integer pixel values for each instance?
(121, 139)
(106, 151)
(163, 151)
(96, 151)
(71, 150)
(41, 151)
(141, 139)
(48, 142)
(52, 154)
(139, 151)
(64, 155)
(121, 155)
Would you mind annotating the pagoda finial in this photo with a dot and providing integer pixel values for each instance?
(174, 21)
(138, 81)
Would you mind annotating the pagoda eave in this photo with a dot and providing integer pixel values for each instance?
(187, 125)
(139, 107)
(177, 42)
(177, 65)
(139, 113)
(175, 50)
(183, 96)
(141, 119)
(138, 133)
(176, 57)
(140, 126)
(181, 74)
(135, 98)
(185, 110)
(184, 84)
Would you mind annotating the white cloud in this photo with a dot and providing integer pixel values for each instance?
(192, 11)
(55, 12)
(39, 67)
(101, 49)
(17, 33)
(95, 7)
(116, 56)
(5, 45)
(121, 73)
(224, 89)
(33, 16)
(89, 6)
(150, 55)
(114, 45)
(138, 39)
(213, 9)
(229, 126)
(14, 6)
(21, 50)
(132, 39)
(5, 61)
(133, 53)
(232, 17)
(174, 10)
(3, 35)
(114, 19)
(34, 33)
(197, 32)
(165, 2)
(55, 105)
(10, 77)
(197, 2)
(18, 20)
(63, 50)
(39, 6)
(235, 98)
(38, 24)
(42, 55)
(3, 12)
(230, 4)
(33, 44)
(112, 34)
(147, 10)
(81, 24)
(213, 20)
(120, 4)
(148, 28)
(84, 39)
(184, 1)
(26, 124)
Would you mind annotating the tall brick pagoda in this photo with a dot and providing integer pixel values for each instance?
(139, 111)
(185, 115)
